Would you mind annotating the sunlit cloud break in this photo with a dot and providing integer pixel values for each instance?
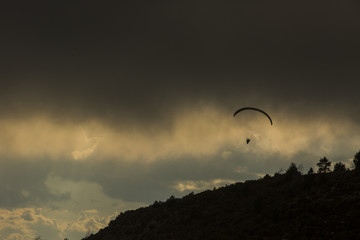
(200, 133)
(195, 186)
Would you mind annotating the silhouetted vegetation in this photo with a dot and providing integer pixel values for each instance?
(324, 165)
(290, 205)
(357, 161)
(339, 167)
(292, 171)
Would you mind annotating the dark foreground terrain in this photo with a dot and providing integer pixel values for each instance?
(286, 206)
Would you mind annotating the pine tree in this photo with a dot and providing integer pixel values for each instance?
(339, 167)
(292, 171)
(357, 161)
(324, 165)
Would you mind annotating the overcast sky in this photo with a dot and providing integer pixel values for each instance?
(112, 105)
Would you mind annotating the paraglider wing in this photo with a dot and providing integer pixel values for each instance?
(255, 109)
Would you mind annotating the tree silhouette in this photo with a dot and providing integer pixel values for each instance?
(339, 167)
(292, 171)
(324, 165)
(356, 161)
(282, 202)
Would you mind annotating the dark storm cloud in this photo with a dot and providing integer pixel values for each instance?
(122, 60)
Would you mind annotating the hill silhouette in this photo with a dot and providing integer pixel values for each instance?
(284, 206)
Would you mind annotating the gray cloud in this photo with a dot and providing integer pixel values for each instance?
(125, 62)
(23, 183)
(27, 216)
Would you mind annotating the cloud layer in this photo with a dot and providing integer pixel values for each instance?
(77, 174)
(105, 107)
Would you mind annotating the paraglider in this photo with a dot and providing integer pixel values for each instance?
(255, 109)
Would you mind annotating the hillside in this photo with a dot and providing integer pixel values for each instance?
(286, 206)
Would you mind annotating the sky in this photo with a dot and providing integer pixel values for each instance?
(107, 106)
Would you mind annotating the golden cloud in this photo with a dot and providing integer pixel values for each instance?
(197, 133)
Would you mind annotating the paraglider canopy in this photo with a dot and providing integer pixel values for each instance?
(255, 109)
